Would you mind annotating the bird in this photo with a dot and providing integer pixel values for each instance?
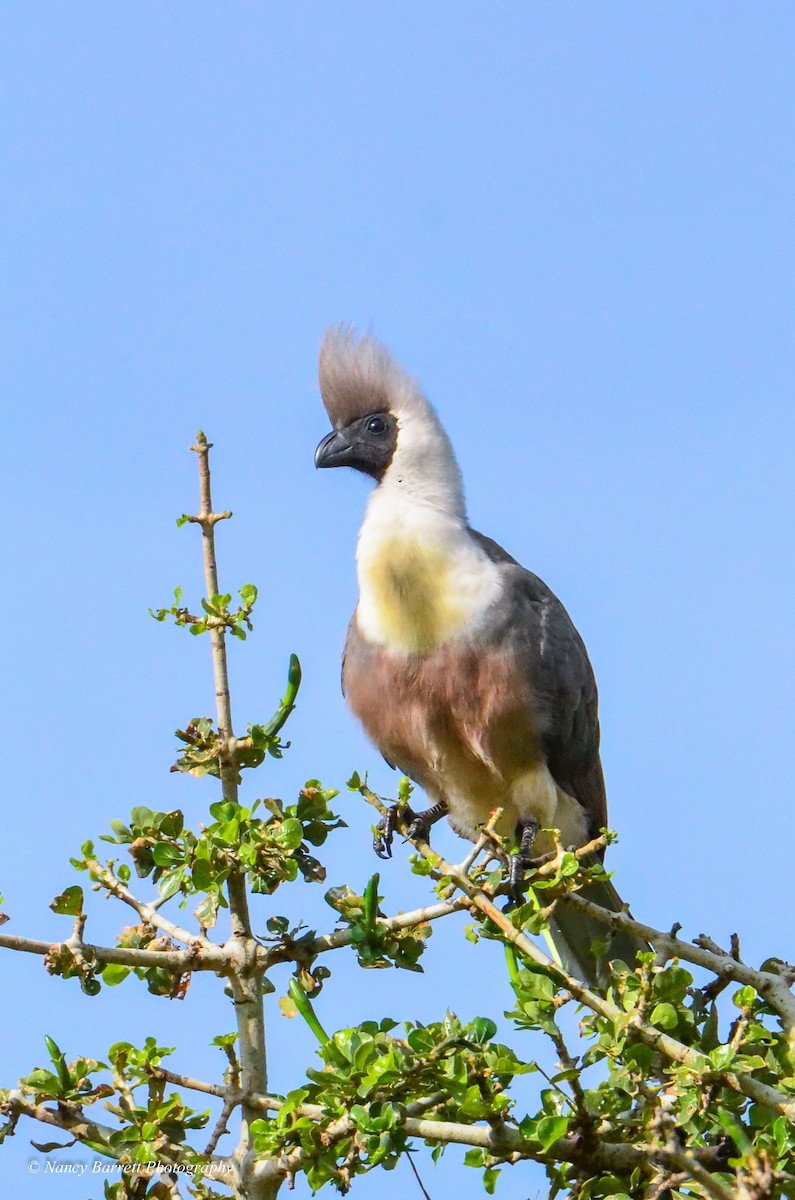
(463, 667)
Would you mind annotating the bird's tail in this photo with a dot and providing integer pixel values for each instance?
(584, 944)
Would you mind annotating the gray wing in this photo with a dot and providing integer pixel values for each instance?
(545, 641)
(348, 637)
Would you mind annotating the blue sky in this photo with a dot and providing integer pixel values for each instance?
(573, 223)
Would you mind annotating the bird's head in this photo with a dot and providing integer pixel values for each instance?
(383, 425)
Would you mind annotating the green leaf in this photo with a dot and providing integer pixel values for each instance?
(56, 1054)
(664, 1016)
(224, 810)
(224, 1039)
(114, 974)
(483, 1029)
(44, 1081)
(721, 1056)
(370, 898)
(123, 834)
(169, 885)
(170, 824)
(69, 903)
(672, 984)
(568, 865)
(550, 1129)
(166, 855)
(203, 874)
(490, 1175)
(291, 834)
(361, 1117)
(228, 832)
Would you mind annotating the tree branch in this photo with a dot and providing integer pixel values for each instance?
(199, 958)
(672, 1049)
(243, 947)
(771, 987)
(150, 915)
(343, 937)
(73, 1120)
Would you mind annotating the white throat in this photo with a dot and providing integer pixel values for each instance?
(423, 580)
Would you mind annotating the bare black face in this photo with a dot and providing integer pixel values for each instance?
(367, 445)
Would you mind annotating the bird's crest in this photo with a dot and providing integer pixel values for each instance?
(359, 376)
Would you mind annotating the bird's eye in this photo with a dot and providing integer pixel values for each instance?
(376, 425)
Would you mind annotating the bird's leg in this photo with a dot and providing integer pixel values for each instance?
(523, 858)
(413, 825)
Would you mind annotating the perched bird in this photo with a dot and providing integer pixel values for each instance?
(464, 668)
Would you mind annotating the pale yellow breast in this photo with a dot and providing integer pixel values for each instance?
(416, 594)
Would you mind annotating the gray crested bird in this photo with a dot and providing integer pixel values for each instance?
(465, 670)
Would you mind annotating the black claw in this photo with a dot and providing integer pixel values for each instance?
(385, 832)
(401, 818)
(418, 825)
(522, 861)
(382, 848)
(419, 828)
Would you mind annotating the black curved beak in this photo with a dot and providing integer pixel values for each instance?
(334, 451)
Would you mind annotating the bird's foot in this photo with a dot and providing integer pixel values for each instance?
(385, 831)
(413, 826)
(522, 861)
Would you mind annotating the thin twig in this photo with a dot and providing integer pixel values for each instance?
(242, 946)
(185, 1081)
(149, 915)
(220, 1129)
(420, 1184)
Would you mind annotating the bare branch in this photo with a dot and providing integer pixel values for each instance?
(185, 1081)
(230, 1103)
(242, 947)
(198, 958)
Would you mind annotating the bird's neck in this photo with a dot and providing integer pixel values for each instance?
(423, 580)
(423, 476)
